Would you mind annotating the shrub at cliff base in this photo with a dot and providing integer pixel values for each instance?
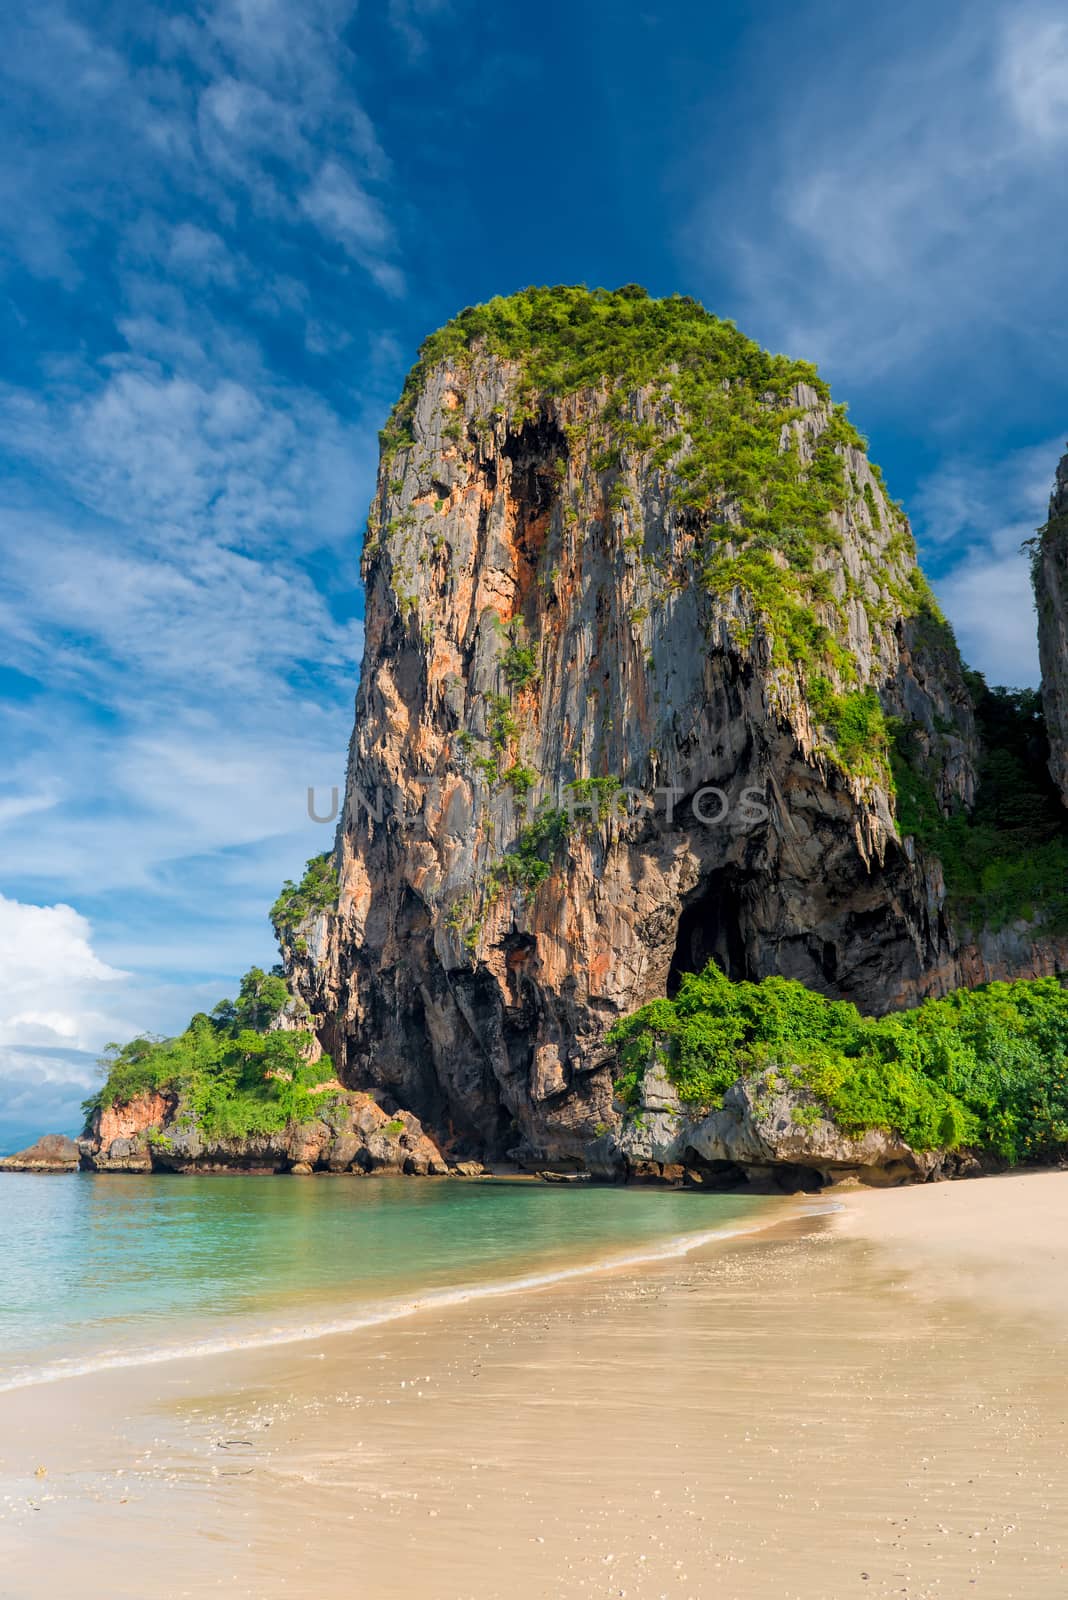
(232, 1077)
(985, 1068)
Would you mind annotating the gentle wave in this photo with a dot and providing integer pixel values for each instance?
(374, 1316)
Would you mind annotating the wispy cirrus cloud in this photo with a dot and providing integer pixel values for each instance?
(901, 198)
(343, 209)
(197, 243)
(1034, 72)
(231, 107)
(410, 20)
(242, 462)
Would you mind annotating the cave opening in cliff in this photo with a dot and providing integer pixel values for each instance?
(711, 929)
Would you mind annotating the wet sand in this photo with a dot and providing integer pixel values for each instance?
(871, 1403)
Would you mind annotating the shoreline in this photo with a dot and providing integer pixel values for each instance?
(376, 1314)
(821, 1409)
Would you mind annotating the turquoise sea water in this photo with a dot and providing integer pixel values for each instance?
(99, 1271)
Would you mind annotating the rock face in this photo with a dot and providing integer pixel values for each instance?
(130, 1121)
(765, 1132)
(352, 1134)
(550, 616)
(53, 1152)
(1051, 596)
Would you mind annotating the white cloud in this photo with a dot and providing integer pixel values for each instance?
(200, 624)
(231, 105)
(15, 806)
(26, 1070)
(182, 509)
(408, 18)
(54, 988)
(60, 1004)
(229, 689)
(973, 518)
(1034, 73)
(989, 601)
(899, 221)
(41, 1091)
(902, 197)
(245, 462)
(337, 202)
(201, 256)
(969, 500)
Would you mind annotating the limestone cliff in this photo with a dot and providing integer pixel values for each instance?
(619, 557)
(1051, 596)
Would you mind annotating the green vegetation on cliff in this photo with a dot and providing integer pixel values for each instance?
(569, 338)
(316, 891)
(985, 1068)
(856, 725)
(747, 472)
(227, 1072)
(1008, 857)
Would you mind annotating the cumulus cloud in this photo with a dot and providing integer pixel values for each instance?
(54, 982)
(57, 1008)
(60, 1004)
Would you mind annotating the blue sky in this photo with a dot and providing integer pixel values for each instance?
(224, 230)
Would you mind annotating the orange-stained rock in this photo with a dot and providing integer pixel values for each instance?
(443, 981)
(132, 1120)
(350, 1133)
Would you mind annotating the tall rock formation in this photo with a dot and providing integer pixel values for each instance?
(1051, 597)
(619, 557)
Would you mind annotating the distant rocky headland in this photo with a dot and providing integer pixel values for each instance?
(678, 841)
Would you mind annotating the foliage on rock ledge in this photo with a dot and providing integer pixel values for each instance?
(228, 1072)
(316, 891)
(985, 1068)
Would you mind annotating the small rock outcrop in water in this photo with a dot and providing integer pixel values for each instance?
(1051, 596)
(673, 570)
(152, 1132)
(53, 1152)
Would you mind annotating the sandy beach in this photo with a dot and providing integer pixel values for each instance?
(868, 1402)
